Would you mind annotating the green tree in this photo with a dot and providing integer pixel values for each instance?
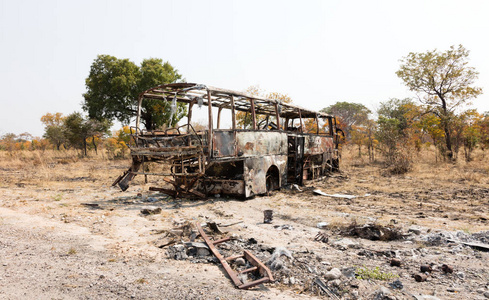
(97, 129)
(388, 135)
(396, 109)
(80, 131)
(443, 82)
(397, 133)
(429, 124)
(113, 87)
(395, 120)
(349, 115)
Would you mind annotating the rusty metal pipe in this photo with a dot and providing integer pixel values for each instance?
(233, 112)
(426, 269)
(210, 133)
(253, 113)
(277, 116)
(395, 262)
(420, 277)
(189, 115)
(446, 268)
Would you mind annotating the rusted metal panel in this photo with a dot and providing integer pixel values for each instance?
(295, 158)
(260, 143)
(224, 144)
(317, 144)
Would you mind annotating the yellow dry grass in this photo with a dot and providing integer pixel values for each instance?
(51, 167)
(434, 194)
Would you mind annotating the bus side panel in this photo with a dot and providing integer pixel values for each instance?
(224, 143)
(318, 145)
(260, 143)
(255, 171)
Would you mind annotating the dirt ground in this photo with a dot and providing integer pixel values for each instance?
(65, 233)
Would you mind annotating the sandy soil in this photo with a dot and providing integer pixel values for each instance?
(54, 246)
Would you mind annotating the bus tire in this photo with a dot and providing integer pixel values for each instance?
(272, 179)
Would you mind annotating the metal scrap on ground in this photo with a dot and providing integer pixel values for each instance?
(476, 245)
(258, 267)
(374, 232)
(319, 192)
(321, 237)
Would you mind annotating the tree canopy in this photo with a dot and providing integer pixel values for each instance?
(396, 109)
(114, 85)
(54, 128)
(440, 78)
(443, 82)
(78, 130)
(349, 114)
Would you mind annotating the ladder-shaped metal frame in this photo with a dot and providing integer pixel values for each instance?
(257, 264)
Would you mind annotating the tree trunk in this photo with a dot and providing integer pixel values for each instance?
(94, 144)
(448, 140)
(148, 121)
(466, 152)
(446, 127)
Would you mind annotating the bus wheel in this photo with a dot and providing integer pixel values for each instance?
(272, 179)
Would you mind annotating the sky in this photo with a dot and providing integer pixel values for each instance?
(317, 52)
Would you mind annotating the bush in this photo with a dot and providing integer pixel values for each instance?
(400, 162)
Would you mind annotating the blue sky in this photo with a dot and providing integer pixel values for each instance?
(317, 52)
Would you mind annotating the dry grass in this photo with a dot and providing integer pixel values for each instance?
(51, 168)
(433, 194)
(38, 167)
(443, 191)
(72, 251)
(426, 167)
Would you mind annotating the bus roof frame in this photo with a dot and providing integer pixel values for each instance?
(221, 98)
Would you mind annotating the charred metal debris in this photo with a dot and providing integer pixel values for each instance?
(258, 267)
(283, 144)
(396, 269)
(245, 270)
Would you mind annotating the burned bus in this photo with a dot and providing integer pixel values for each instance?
(282, 144)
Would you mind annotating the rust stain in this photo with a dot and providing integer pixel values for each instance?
(249, 146)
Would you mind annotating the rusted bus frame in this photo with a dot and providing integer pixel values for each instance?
(235, 101)
(187, 92)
